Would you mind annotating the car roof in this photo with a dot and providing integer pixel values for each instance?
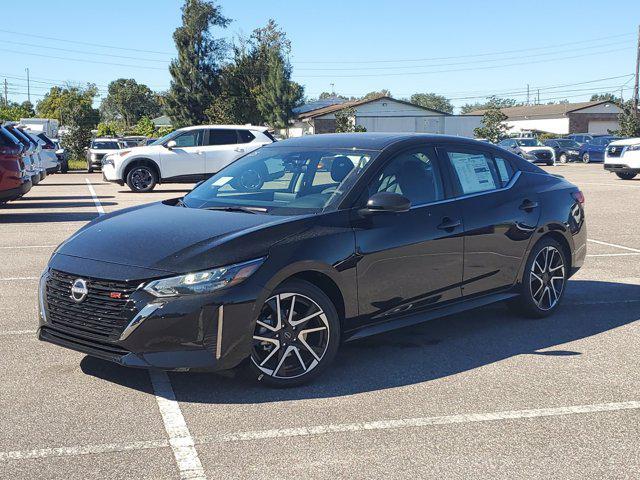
(364, 141)
(105, 139)
(234, 127)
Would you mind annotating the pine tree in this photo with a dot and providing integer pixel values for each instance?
(195, 72)
(278, 95)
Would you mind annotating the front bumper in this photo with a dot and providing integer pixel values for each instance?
(621, 168)
(195, 332)
(109, 174)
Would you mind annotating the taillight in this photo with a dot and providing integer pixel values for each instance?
(578, 197)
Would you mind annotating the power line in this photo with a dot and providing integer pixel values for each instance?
(58, 39)
(467, 55)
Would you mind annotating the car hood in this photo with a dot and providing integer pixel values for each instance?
(536, 149)
(174, 239)
(104, 151)
(145, 150)
(626, 141)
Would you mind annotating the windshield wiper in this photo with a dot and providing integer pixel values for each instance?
(236, 208)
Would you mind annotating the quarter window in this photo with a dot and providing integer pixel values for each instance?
(479, 172)
(222, 137)
(414, 174)
(245, 136)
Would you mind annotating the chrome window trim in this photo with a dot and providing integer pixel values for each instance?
(511, 183)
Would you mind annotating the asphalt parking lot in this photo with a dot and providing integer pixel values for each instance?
(479, 395)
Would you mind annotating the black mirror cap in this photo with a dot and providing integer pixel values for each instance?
(386, 202)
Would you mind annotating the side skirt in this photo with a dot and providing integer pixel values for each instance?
(422, 317)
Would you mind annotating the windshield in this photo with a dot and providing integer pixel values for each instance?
(528, 142)
(100, 145)
(568, 143)
(166, 138)
(283, 180)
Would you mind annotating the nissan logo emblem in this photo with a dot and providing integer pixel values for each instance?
(79, 290)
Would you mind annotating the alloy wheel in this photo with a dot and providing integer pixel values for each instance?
(585, 158)
(291, 336)
(547, 278)
(141, 178)
(563, 158)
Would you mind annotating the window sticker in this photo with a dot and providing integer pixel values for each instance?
(473, 172)
(221, 181)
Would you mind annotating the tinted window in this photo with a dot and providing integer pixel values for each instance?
(46, 140)
(475, 171)
(222, 137)
(245, 136)
(188, 139)
(101, 145)
(414, 174)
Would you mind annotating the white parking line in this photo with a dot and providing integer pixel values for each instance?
(28, 246)
(17, 332)
(398, 424)
(612, 254)
(180, 438)
(613, 245)
(11, 279)
(95, 198)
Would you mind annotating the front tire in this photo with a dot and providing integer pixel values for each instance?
(563, 158)
(141, 178)
(543, 281)
(296, 335)
(626, 175)
(585, 158)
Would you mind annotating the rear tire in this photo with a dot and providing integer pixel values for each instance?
(626, 175)
(290, 349)
(543, 282)
(142, 178)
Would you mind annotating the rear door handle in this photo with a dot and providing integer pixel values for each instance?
(449, 224)
(528, 205)
(239, 149)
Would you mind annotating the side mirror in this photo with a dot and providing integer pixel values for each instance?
(386, 202)
(171, 144)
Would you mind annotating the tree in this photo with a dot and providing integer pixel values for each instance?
(492, 102)
(373, 95)
(110, 129)
(195, 72)
(14, 111)
(346, 121)
(129, 101)
(597, 97)
(73, 107)
(493, 128)
(432, 101)
(278, 95)
(629, 121)
(145, 127)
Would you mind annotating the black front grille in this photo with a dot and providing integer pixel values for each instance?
(543, 155)
(99, 316)
(99, 156)
(614, 150)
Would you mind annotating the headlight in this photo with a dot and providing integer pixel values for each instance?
(94, 156)
(631, 148)
(205, 281)
(107, 161)
(572, 152)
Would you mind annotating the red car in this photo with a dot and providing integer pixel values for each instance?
(14, 182)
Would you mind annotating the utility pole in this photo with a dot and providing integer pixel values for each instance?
(538, 102)
(28, 86)
(528, 94)
(6, 93)
(333, 90)
(635, 87)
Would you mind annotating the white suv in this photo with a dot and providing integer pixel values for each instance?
(622, 157)
(186, 155)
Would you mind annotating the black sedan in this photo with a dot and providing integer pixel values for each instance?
(567, 150)
(400, 229)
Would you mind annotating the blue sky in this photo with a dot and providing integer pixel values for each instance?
(461, 49)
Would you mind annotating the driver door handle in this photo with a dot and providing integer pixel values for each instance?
(449, 224)
(528, 205)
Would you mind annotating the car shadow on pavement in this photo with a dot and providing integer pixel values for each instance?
(46, 217)
(19, 206)
(433, 350)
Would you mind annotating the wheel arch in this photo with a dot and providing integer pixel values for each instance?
(140, 161)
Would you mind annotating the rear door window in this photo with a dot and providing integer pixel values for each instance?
(245, 136)
(220, 136)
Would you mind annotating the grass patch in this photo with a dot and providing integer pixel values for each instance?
(77, 164)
